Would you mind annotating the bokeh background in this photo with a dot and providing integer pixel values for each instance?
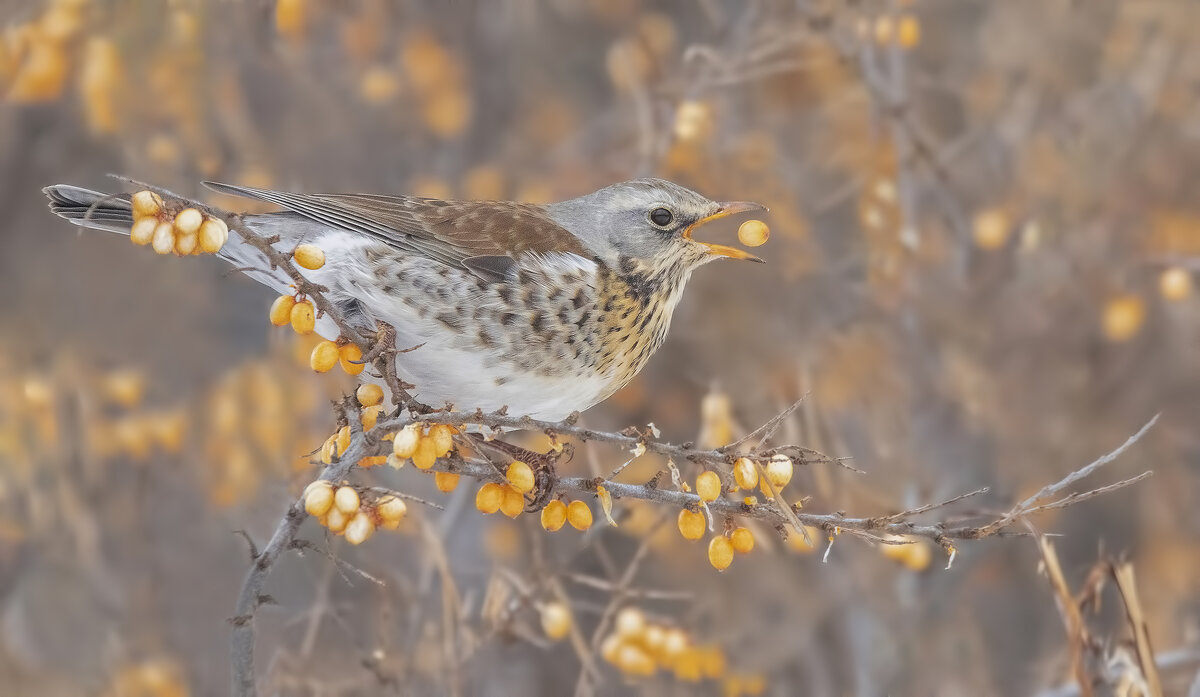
(985, 224)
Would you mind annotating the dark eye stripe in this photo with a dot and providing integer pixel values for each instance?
(661, 217)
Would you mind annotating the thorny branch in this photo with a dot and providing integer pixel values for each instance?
(781, 515)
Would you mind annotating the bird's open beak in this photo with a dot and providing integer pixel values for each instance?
(727, 209)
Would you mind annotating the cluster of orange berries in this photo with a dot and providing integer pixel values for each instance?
(342, 511)
(187, 232)
(640, 648)
(423, 444)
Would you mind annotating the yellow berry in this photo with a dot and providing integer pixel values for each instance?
(445, 481)
(442, 437)
(391, 511)
(610, 647)
(324, 357)
(691, 524)
(708, 486)
(489, 497)
(720, 552)
(343, 440)
(350, 357)
(406, 440)
(745, 474)
(369, 394)
(520, 476)
(629, 623)
(753, 233)
(146, 204)
(281, 310)
(1175, 283)
(632, 660)
(513, 502)
(693, 120)
(346, 500)
(188, 221)
(1123, 317)
(336, 521)
(779, 471)
(579, 515)
(309, 256)
(908, 32)
(142, 231)
(370, 416)
(742, 540)
(554, 515)
(991, 229)
(329, 449)
(303, 318)
(675, 642)
(185, 244)
(318, 498)
(425, 454)
(163, 241)
(214, 233)
(556, 620)
(360, 528)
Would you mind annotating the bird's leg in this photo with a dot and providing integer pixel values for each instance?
(543, 464)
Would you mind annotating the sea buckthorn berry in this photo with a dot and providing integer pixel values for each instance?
(303, 318)
(489, 497)
(554, 515)
(742, 539)
(556, 620)
(163, 240)
(1175, 283)
(779, 471)
(675, 642)
(329, 449)
(309, 256)
(350, 356)
(915, 556)
(445, 481)
(281, 310)
(629, 623)
(335, 520)
(745, 474)
(369, 394)
(406, 441)
(579, 515)
(142, 231)
(991, 228)
(632, 660)
(691, 524)
(442, 437)
(753, 233)
(360, 528)
(1123, 317)
(720, 552)
(425, 454)
(513, 502)
(324, 356)
(318, 498)
(371, 461)
(370, 416)
(708, 486)
(185, 245)
(520, 476)
(188, 221)
(146, 204)
(391, 511)
(346, 500)
(343, 440)
(213, 235)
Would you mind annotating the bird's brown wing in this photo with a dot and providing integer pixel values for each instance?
(478, 233)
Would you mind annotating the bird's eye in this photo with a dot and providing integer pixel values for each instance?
(661, 217)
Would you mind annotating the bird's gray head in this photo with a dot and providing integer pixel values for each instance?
(647, 224)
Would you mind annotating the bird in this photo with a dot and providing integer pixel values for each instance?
(543, 309)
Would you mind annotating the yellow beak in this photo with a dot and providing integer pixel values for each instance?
(727, 209)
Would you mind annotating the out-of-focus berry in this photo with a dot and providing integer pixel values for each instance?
(1175, 283)
(520, 476)
(693, 120)
(753, 233)
(360, 528)
(630, 623)
(346, 500)
(579, 515)
(445, 481)
(991, 229)
(369, 394)
(1123, 317)
(309, 256)
(303, 318)
(691, 524)
(745, 474)
(406, 441)
(143, 231)
(318, 498)
(556, 620)
(391, 511)
(742, 540)
(324, 357)
(708, 486)
(336, 520)
(720, 552)
(554, 515)
(489, 497)
(281, 310)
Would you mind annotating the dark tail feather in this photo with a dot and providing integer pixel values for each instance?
(88, 208)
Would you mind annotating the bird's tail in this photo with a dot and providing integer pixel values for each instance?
(114, 213)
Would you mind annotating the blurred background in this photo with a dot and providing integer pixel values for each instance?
(985, 228)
